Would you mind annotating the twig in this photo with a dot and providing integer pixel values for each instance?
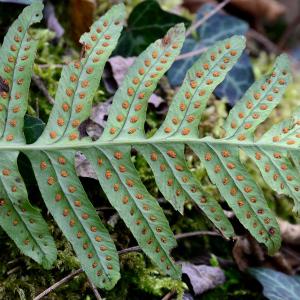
(41, 86)
(288, 32)
(13, 270)
(269, 45)
(58, 284)
(196, 233)
(168, 296)
(95, 291)
(177, 237)
(101, 208)
(206, 17)
(37, 108)
(131, 249)
(46, 66)
(190, 54)
(13, 261)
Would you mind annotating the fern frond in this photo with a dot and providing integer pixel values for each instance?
(22, 222)
(60, 187)
(52, 156)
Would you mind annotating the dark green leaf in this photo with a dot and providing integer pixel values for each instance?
(217, 27)
(33, 128)
(146, 23)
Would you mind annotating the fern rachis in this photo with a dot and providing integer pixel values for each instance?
(52, 156)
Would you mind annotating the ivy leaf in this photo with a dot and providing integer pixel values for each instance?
(277, 285)
(178, 70)
(33, 128)
(217, 27)
(146, 16)
(202, 277)
(237, 82)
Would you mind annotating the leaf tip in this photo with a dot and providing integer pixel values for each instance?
(179, 28)
(283, 63)
(120, 9)
(175, 34)
(37, 9)
(239, 40)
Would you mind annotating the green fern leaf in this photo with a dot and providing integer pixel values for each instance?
(22, 222)
(202, 78)
(258, 102)
(52, 156)
(69, 205)
(60, 187)
(128, 112)
(221, 159)
(79, 80)
(182, 122)
(272, 158)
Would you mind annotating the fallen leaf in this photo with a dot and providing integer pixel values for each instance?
(268, 10)
(100, 112)
(202, 277)
(52, 22)
(277, 285)
(26, 2)
(115, 72)
(33, 128)
(187, 296)
(82, 16)
(92, 127)
(247, 252)
(83, 167)
(158, 103)
(290, 232)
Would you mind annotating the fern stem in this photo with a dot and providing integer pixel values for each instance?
(119, 142)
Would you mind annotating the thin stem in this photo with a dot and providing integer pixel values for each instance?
(47, 66)
(260, 38)
(95, 291)
(41, 86)
(131, 249)
(127, 250)
(206, 17)
(58, 284)
(196, 233)
(168, 296)
(143, 141)
(288, 32)
(190, 54)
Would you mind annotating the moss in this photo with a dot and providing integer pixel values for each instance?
(139, 275)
